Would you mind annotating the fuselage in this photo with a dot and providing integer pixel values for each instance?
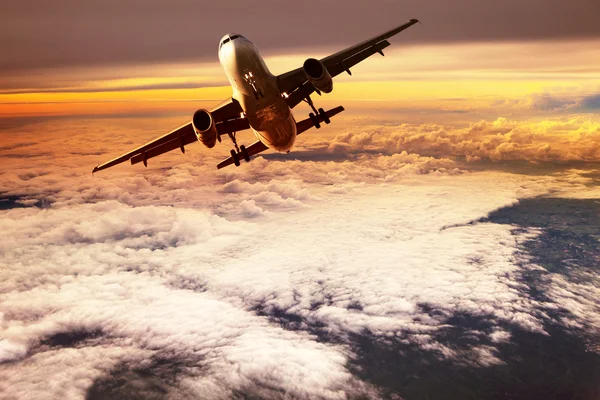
(257, 91)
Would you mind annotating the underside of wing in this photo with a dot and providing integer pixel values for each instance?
(177, 138)
(337, 63)
(372, 44)
(226, 116)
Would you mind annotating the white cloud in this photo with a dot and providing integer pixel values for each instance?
(573, 138)
(10, 351)
(250, 209)
(255, 278)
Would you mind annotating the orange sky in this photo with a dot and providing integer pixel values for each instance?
(457, 77)
(522, 100)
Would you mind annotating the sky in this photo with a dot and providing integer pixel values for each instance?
(129, 57)
(440, 233)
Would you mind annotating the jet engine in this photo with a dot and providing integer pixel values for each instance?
(318, 75)
(205, 128)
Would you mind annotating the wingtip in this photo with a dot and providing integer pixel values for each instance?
(96, 169)
(414, 21)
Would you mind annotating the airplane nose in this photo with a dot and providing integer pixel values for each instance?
(238, 48)
(232, 51)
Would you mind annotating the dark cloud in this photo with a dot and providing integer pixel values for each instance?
(568, 243)
(153, 379)
(565, 103)
(109, 89)
(9, 202)
(591, 102)
(547, 102)
(74, 338)
(38, 34)
(534, 366)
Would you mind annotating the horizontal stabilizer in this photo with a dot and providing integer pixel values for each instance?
(302, 126)
(306, 124)
(253, 149)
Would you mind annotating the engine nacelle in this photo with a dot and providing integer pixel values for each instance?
(205, 128)
(318, 75)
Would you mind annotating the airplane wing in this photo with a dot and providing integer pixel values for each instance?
(297, 86)
(302, 126)
(227, 119)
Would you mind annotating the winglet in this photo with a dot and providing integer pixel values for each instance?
(96, 169)
(414, 21)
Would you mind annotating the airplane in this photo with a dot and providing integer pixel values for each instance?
(261, 101)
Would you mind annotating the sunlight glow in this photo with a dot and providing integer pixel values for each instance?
(459, 76)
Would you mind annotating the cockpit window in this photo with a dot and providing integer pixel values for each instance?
(232, 37)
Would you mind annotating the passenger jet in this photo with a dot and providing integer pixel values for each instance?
(261, 101)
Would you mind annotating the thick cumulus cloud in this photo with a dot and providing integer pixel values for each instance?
(41, 167)
(312, 276)
(565, 103)
(559, 139)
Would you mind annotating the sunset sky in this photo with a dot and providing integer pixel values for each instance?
(493, 59)
(439, 239)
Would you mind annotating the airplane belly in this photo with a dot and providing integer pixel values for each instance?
(280, 135)
(257, 91)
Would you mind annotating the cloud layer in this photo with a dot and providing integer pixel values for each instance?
(561, 139)
(288, 278)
